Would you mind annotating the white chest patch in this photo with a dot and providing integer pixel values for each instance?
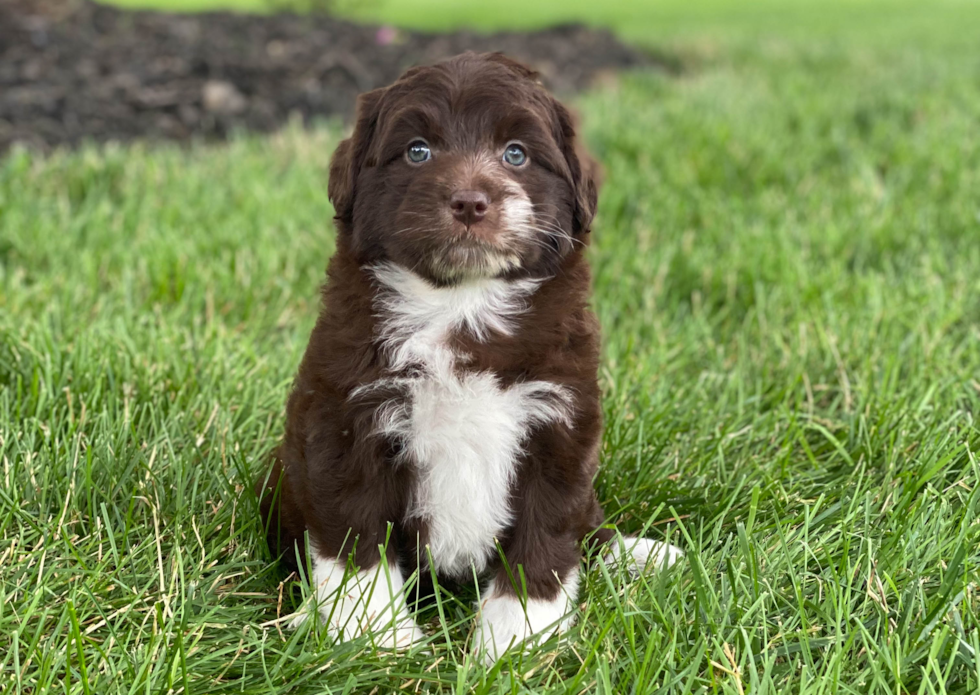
(462, 430)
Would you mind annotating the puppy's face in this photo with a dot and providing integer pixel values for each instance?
(465, 169)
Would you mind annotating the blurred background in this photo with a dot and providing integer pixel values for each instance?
(74, 70)
(174, 69)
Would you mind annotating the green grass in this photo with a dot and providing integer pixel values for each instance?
(663, 21)
(787, 264)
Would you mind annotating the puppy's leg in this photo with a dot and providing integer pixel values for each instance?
(369, 599)
(513, 609)
(360, 589)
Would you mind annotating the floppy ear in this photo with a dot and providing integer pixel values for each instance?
(349, 156)
(583, 172)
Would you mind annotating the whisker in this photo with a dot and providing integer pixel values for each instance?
(560, 235)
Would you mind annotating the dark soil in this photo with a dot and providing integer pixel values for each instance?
(71, 70)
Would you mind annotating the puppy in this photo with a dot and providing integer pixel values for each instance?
(446, 414)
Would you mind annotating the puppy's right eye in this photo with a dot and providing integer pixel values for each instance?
(418, 152)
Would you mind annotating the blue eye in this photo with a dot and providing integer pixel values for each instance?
(515, 155)
(418, 152)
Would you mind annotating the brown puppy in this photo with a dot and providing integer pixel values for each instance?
(449, 388)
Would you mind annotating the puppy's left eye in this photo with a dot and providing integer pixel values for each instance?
(515, 155)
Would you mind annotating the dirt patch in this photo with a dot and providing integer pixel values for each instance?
(73, 70)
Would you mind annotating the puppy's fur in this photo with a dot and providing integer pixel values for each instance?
(449, 388)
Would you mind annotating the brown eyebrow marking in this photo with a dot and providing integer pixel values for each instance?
(413, 122)
(520, 125)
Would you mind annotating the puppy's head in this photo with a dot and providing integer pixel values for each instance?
(464, 169)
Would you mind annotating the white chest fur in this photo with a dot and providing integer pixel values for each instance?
(462, 429)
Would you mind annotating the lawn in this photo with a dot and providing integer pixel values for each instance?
(787, 270)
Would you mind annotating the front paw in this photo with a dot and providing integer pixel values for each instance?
(502, 626)
(505, 623)
(403, 636)
(366, 602)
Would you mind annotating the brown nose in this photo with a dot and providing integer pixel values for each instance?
(469, 207)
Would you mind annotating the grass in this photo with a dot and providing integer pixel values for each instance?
(666, 21)
(788, 275)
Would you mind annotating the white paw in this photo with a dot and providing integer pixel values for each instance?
(404, 635)
(504, 623)
(502, 626)
(369, 601)
(640, 554)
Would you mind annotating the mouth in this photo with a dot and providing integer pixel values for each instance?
(470, 255)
